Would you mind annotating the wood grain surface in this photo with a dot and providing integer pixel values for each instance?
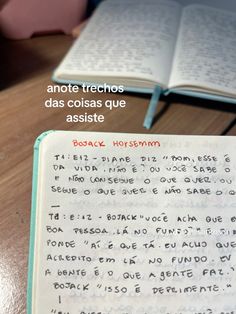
(26, 69)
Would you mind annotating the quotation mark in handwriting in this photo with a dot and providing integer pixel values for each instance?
(58, 312)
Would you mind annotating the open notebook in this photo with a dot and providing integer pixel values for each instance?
(131, 223)
(140, 44)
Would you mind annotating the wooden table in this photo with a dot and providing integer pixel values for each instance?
(26, 69)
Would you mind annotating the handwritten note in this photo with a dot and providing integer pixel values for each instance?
(131, 223)
(205, 51)
(122, 40)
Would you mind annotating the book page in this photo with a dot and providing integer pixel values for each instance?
(130, 223)
(205, 55)
(133, 39)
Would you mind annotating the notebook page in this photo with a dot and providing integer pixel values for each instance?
(130, 223)
(133, 39)
(205, 53)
